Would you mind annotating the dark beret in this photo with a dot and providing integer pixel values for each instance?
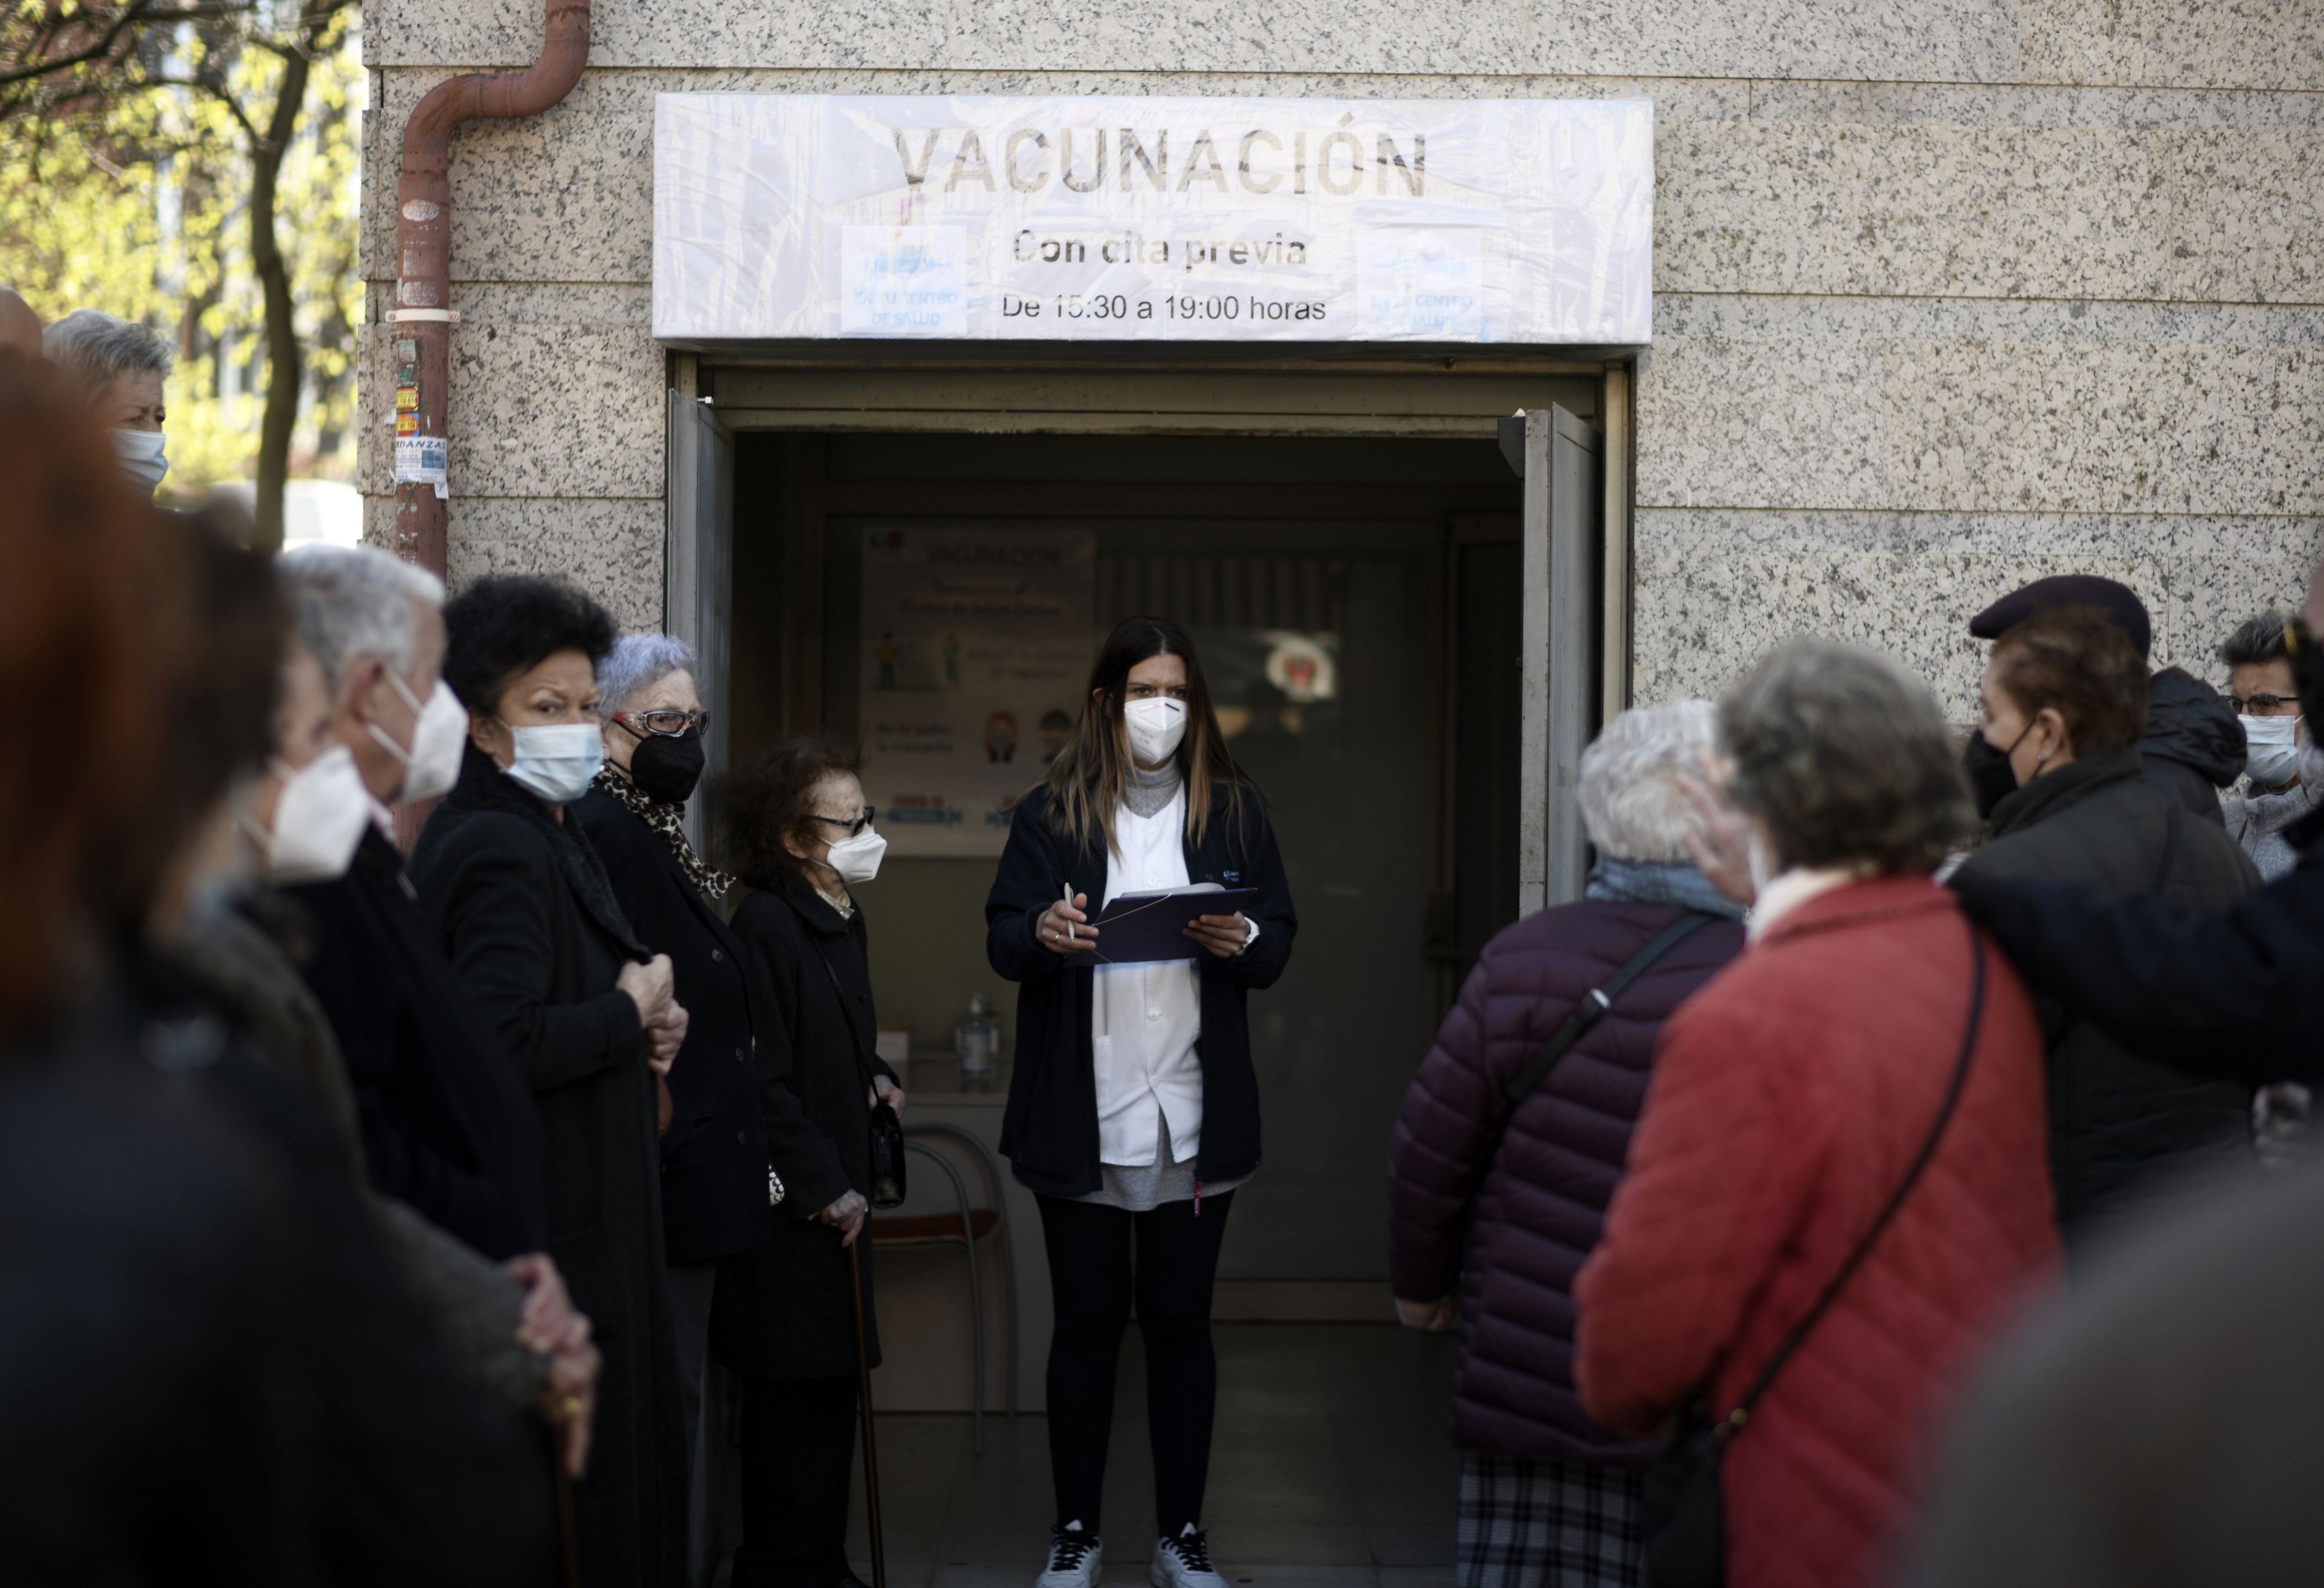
(2114, 601)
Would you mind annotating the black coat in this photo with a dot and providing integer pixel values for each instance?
(2239, 994)
(784, 1310)
(2194, 745)
(447, 1124)
(532, 930)
(714, 1160)
(2118, 1123)
(1050, 1130)
(209, 1371)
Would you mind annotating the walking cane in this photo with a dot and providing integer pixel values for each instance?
(871, 1440)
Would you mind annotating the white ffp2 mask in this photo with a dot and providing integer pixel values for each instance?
(558, 762)
(438, 733)
(1156, 727)
(319, 819)
(856, 858)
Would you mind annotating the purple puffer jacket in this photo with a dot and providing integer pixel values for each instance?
(1542, 1205)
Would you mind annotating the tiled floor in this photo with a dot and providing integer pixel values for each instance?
(1331, 1468)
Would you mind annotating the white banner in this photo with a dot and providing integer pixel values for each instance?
(784, 216)
(976, 643)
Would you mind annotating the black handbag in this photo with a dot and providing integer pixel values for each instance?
(887, 1158)
(1680, 1514)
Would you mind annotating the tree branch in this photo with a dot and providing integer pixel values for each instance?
(138, 13)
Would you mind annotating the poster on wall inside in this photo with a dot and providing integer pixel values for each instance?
(975, 645)
(781, 216)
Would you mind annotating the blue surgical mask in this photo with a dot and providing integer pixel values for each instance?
(2272, 746)
(141, 457)
(560, 761)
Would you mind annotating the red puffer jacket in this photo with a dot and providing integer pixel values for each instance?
(1788, 1099)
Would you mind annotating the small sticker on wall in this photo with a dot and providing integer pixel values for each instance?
(406, 348)
(420, 460)
(407, 398)
(406, 424)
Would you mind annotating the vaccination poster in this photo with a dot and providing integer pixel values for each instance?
(976, 647)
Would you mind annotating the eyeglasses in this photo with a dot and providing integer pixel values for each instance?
(2264, 705)
(849, 827)
(664, 724)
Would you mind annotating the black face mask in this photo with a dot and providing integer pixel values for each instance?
(667, 769)
(1990, 777)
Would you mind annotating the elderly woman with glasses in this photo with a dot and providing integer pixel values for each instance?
(799, 833)
(737, 1141)
(1841, 1172)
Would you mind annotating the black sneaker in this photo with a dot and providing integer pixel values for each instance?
(1077, 1558)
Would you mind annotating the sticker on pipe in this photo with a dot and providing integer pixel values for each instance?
(808, 216)
(420, 460)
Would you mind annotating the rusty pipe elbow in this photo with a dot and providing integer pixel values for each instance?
(503, 95)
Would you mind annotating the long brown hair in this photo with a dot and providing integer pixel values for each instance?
(1090, 775)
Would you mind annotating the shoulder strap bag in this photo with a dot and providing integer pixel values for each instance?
(1577, 1025)
(1679, 1510)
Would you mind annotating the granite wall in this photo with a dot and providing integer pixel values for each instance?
(1949, 293)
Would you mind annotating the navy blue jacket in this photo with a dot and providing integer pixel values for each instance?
(713, 1159)
(1049, 1132)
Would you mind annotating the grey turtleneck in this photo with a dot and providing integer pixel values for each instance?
(1150, 792)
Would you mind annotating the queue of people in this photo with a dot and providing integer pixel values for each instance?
(1729, 1230)
(452, 1174)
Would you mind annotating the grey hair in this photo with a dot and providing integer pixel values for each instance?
(1845, 759)
(1630, 798)
(97, 348)
(354, 603)
(636, 664)
(2256, 641)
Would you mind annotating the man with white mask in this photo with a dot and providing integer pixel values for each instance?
(447, 1124)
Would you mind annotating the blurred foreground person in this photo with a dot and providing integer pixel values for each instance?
(2191, 747)
(800, 834)
(2065, 702)
(1867, 1034)
(207, 1372)
(121, 366)
(1500, 1171)
(448, 1124)
(2157, 1428)
(2284, 780)
(20, 327)
(529, 922)
(2244, 988)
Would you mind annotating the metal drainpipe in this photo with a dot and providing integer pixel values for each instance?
(422, 314)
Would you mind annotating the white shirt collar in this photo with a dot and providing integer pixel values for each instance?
(1786, 892)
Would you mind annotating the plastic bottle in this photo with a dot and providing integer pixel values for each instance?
(976, 1039)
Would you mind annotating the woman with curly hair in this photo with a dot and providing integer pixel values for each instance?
(800, 832)
(535, 934)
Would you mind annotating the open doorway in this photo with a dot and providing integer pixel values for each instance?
(1357, 604)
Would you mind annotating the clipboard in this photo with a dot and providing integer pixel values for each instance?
(1140, 928)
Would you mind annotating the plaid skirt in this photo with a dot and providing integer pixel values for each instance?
(1547, 1524)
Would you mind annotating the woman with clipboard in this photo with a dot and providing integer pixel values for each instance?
(1133, 1108)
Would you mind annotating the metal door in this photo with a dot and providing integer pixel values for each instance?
(1559, 457)
(698, 588)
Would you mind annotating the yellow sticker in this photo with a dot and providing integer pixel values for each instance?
(406, 424)
(407, 398)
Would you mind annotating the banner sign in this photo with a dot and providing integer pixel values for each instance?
(976, 643)
(786, 217)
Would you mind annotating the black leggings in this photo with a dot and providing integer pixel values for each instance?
(1093, 1277)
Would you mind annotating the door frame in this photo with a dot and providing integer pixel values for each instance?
(1213, 391)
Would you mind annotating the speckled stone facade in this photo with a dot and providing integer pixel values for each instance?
(1949, 293)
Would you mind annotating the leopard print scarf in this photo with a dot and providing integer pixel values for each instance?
(670, 822)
